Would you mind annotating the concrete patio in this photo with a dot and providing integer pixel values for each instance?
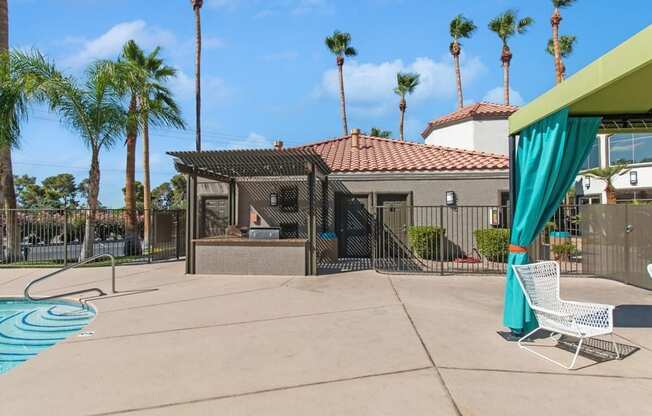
(357, 343)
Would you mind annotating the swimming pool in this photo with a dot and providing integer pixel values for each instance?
(27, 327)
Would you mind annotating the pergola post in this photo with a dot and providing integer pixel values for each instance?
(232, 203)
(312, 223)
(191, 222)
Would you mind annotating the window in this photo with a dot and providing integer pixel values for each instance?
(288, 199)
(593, 159)
(630, 148)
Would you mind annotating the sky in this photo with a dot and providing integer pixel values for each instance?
(267, 74)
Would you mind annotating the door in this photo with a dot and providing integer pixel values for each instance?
(214, 216)
(394, 216)
(353, 225)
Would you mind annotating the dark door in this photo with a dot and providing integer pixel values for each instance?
(353, 225)
(214, 216)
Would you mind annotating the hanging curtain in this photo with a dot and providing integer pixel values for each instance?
(549, 155)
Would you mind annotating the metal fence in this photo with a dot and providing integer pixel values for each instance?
(43, 237)
(467, 239)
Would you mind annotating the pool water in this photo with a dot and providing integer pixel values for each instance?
(28, 327)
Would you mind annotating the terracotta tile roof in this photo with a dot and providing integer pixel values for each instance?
(476, 111)
(375, 154)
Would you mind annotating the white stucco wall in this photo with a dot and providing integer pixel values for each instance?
(481, 135)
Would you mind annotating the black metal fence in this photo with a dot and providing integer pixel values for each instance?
(43, 237)
(467, 239)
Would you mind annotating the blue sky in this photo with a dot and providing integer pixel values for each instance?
(267, 74)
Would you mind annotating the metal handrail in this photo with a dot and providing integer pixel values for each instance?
(95, 289)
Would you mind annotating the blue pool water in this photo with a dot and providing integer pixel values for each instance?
(27, 328)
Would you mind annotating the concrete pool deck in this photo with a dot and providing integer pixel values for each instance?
(357, 343)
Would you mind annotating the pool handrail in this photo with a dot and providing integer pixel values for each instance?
(77, 292)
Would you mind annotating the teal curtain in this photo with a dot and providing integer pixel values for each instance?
(549, 155)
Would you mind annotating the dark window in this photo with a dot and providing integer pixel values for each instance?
(630, 148)
(593, 159)
(288, 199)
(289, 230)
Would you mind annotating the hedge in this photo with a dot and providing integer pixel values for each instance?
(493, 243)
(425, 241)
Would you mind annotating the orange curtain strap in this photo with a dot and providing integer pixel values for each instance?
(517, 249)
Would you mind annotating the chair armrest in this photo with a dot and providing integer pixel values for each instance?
(559, 314)
(591, 314)
(588, 304)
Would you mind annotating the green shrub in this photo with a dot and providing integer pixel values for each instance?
(493, 243)
(425, 241)
(563, 251)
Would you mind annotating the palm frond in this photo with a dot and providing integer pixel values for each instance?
(406, 83)
(566, 45)
(461, 27)
(561, 4)
(339, 43)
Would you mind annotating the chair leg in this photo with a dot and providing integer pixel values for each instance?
(579, 346)
(613, 341)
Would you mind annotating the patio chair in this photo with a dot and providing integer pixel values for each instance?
(649, 269)
(540, 284)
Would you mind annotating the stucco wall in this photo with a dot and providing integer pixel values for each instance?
(457, 135)
(481, 135)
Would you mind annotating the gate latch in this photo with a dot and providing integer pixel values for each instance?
(628, 228)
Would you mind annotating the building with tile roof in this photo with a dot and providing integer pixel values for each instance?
(480, 126)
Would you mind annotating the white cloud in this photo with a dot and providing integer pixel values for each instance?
(496, 96)
(214, 88)
(252, 141)
(110, 43)
(370, 86)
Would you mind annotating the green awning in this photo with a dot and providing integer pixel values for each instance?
(617, 87)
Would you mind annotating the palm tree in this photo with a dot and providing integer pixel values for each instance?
(405, 84)
(376, 132)
(555, 20)
(13, 112)
(158, 108)
(460, 27)
(196, 7)
(93, 109)
(505, 26)
(566, 45)
(339, 44)
(607, 175)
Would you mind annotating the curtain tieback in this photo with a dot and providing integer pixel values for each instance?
(517, 249)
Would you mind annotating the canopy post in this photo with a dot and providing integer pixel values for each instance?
(191, 222)
(512, 178)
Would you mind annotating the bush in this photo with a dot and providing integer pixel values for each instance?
(563, 251)
(425, 241)
(493, 243)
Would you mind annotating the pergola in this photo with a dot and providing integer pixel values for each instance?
(551, 136)
(230, 165)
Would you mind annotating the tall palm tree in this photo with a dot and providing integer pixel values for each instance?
(158, 108)
(405, 84)
(555, 21)
(340, 45)
(12, 113)
(460, 27)
(566, 47)
(92, 108)
(506, 25)
(607, 175)
(196, 7)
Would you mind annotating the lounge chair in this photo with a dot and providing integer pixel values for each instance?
(540, 284)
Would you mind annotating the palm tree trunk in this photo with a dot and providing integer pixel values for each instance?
(340, 68)
(6, 168)
(555, 20)
(91, 213)
(506, 58)
(131, 246)
(147, 199)
(458, 81)
(402, 107)
(197, 10)
(611, 193)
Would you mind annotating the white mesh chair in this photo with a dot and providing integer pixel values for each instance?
(540, 284)
(649, 269)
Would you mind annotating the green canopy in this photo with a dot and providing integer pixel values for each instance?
(616, 87)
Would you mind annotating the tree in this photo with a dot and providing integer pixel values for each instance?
(162, 196)
(405, 84)
(60, 191)
(505, 26)
(607, 175)
(555, 21)
(566, 45)
(460, 27)
(178, 183)
(92, 108)
(139, 191)
(376, 132)
(196, 7)
(29, 193)
(13, 111)
(340, 45)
